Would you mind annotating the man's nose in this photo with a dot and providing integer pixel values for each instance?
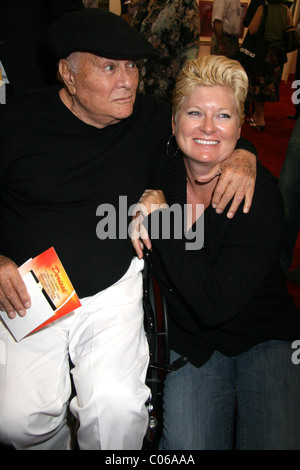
(126, 77)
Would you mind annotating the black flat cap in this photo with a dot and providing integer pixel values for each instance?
(97, 31)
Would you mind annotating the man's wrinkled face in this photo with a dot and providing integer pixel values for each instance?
(104, 90)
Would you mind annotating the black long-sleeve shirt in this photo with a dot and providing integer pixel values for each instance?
(55, 171)
(230, 294)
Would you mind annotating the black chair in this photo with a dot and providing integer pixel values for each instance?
(156, 328)
(155, 323)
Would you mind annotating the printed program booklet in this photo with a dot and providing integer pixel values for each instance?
(52, 295)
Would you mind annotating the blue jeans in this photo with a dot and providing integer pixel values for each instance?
(250, 401)
(289, 185)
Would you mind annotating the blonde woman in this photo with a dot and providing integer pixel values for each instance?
(230, 316)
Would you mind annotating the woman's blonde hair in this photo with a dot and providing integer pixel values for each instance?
(212, 70)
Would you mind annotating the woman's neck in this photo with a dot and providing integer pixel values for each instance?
(198, 197)
(199, 193)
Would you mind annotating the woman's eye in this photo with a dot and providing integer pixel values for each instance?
(224, 116)
(194, 113)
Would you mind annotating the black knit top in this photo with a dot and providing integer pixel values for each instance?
(56, 171)
(229, 295)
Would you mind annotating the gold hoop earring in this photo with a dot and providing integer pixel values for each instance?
(169, 143)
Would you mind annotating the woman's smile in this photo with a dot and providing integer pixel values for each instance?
(207, 125)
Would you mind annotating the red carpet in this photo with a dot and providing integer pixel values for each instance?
(271, 147)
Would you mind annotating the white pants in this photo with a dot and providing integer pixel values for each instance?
(108, 347)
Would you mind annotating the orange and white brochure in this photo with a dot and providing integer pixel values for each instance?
(52, 295)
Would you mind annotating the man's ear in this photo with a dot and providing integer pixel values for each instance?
(67, 76)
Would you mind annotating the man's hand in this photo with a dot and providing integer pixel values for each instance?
(236, 182)
(14, 297)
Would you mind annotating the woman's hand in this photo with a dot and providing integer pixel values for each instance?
(236, 182)
(150, 201)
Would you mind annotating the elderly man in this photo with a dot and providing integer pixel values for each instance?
(67, 152)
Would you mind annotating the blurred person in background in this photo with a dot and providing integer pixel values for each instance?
(264, 84)
(226, 21)
(173, 29)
